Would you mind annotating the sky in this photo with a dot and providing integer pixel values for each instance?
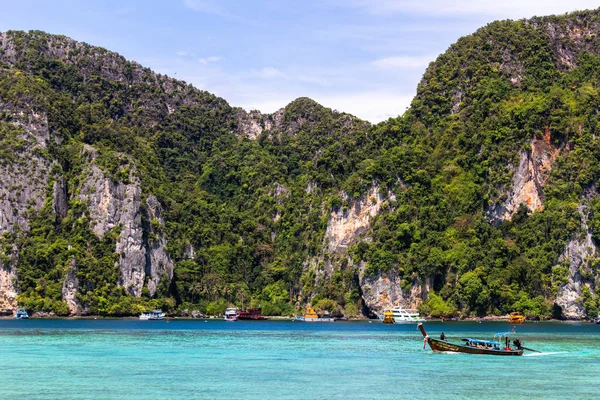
(364, 57)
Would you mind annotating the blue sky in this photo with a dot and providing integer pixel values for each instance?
(364, 57)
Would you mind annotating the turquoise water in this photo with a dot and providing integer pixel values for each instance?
(191, 359)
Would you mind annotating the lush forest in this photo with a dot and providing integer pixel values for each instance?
(244, 216)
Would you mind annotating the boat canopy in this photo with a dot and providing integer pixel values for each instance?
(481, 342)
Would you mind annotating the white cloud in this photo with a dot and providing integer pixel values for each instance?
(270, 72)
(207, 60)
(183, 53)
(494, 8)
(372, 106)
(403, 62)
(216, 7)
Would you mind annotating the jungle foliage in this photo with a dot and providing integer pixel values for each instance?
(255, 211)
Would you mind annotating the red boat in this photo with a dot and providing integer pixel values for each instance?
(253, 314)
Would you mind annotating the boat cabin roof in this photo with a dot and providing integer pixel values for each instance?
(482, 342)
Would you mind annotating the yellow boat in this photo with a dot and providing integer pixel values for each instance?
(516, 318)
(311, 316)
(388, 317)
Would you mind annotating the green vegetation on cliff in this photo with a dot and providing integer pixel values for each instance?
(246, 218)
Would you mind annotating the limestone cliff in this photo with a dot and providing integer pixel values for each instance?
(117, 205)
(578, 254)
(350, 221)
(528, 180)
(158, 262)
(24, 177)
(382, 291)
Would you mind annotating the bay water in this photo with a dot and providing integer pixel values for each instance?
(213, 359)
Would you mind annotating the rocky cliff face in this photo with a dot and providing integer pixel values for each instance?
(346, 226)
(578, 254)
(117, 205)
(71, 287)
(349, 222)
(383, 291)
(158, 262)
(528, 180)
(24, 177)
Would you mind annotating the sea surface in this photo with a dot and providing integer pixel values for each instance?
(213, 359)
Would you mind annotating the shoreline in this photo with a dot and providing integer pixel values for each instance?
(492, 318)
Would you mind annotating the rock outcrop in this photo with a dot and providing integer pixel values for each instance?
(382, 291)
(349, 222)
(71, 287)
(142, 250)
(528, 180)
(117, 205)
(158, 262)
(24, 177)
(579, 251)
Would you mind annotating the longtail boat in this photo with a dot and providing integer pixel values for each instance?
(494, 347)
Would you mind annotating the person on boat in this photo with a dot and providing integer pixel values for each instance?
(517, 344)
(443, 336)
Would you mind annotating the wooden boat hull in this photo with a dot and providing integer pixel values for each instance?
(443, 346)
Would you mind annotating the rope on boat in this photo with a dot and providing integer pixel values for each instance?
(425, 342)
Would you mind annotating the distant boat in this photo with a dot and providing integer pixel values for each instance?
(500, 346)
(311, 316)
(516, 318)
(387, 317)
(250, 314)
(154, 315)
(399, 315)
(231, 314)
(21, 314)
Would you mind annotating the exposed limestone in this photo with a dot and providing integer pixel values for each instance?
(8, 286)
(578, 252)
(158, 262)
(252, 124)
(382, 291)
(528, 180)
(113, 204)
(345, 225)
(189, 252)
(59, 198)
(24, 179)
(71, 287)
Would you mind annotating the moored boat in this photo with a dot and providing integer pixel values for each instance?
(387, 317)
(311, 316)
(250, 314)
(499, 346)
(154, 315)
(231, 314)
(400, 315)
(516, 318)
(21, 314)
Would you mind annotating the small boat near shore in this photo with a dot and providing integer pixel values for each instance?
(250, 314)
(311, 316)
(516, 318)
(400, 315)
(21, 314)
(154, 315)
(231, 314)
(499, 346)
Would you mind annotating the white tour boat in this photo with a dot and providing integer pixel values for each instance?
(154, 315)
(403, 316)
(231, 314)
